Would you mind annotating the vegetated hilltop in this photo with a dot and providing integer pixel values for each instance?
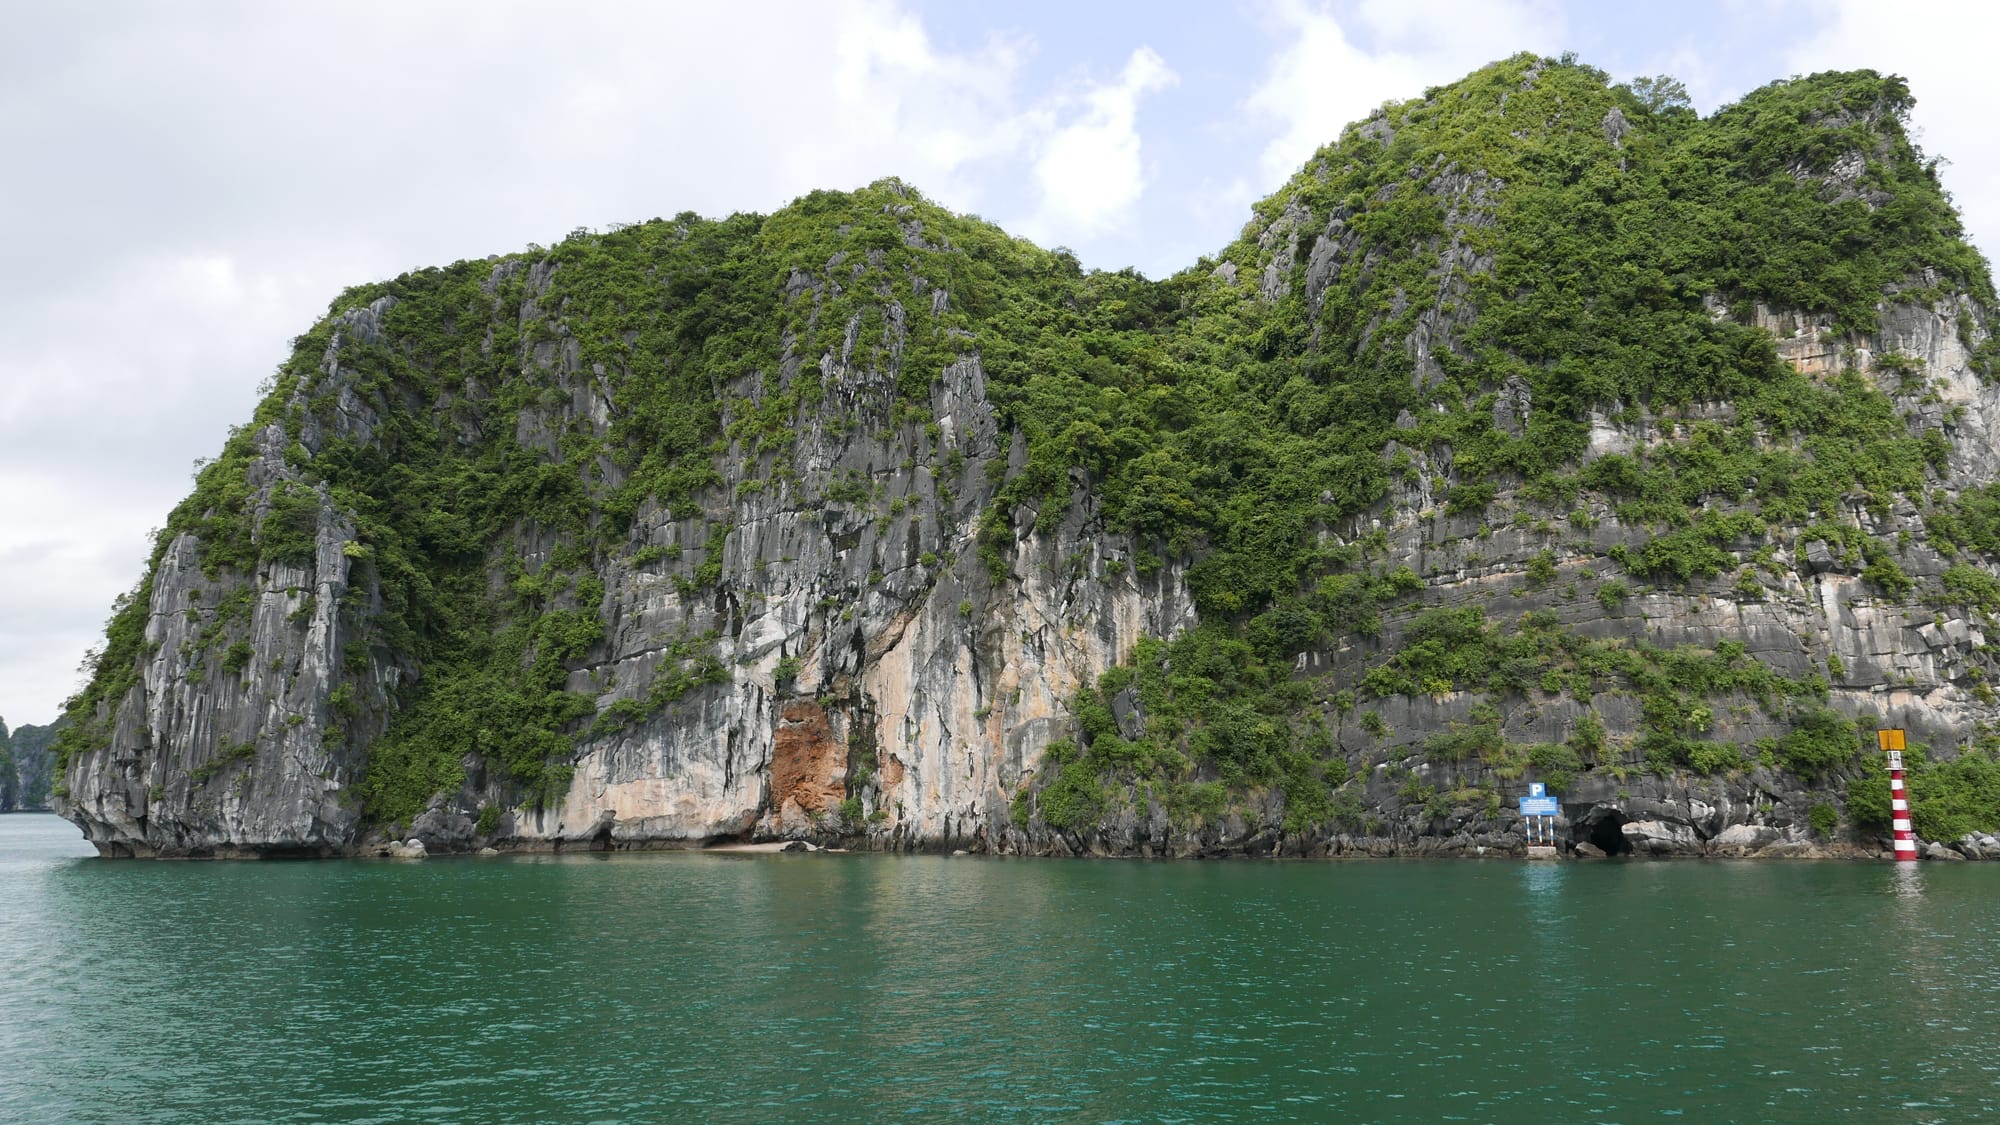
(1537, 429)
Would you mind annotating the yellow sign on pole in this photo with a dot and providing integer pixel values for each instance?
(1887, 739)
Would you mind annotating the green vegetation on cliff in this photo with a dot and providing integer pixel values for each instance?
(1438, 306)
(1582, 245)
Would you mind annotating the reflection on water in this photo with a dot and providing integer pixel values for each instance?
(1909, 879)
(644, 988)
(1541, 882)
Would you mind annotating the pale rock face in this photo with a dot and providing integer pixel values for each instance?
(957, 697)
(210, 759)
(908, 653)
(1655, 837)
(199, 789)
(1281, 241)
(1744, 839)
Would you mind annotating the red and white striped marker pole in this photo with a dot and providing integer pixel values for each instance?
(1892, 744)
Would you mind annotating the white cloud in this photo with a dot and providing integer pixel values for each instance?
(63, 567)
(1332, 73)
(116, 383)
(1945, 50)
(903, 106)
(1223, 205)
(1090, 172)
(1468, 31)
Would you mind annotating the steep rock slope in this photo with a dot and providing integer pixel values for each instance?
(1538, 429)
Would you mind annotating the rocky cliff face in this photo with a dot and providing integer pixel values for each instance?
(846, 661)
(864, 522)
(1807, 616)
(869, 654)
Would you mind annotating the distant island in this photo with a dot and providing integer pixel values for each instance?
(27, 768)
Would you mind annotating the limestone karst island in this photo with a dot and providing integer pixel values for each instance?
(1539, 430)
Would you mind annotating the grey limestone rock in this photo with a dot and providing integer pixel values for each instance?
(1744, 839)
(1616, 127)
(1659, 837)
(443, 826)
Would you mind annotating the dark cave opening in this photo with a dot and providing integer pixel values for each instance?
(1605, 831)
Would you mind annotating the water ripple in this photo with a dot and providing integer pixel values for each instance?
(654, 988)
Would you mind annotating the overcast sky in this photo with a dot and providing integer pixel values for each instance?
(184, 186)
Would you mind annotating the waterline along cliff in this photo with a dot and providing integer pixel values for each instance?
(1539, 429)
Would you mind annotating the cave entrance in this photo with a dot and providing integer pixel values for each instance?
(1604, 829)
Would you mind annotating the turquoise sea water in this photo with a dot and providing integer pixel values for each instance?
(831, 988)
